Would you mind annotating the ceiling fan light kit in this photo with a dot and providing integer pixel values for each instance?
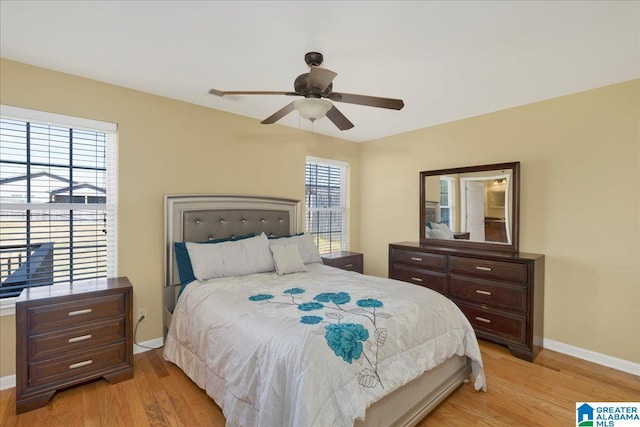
(312, 108)
(313, 86)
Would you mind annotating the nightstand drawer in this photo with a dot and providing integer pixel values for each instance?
(58, 343)
(493, 294)
(501, 325)
(97, 360)
(489, 269)
(345, 260)
(56, 316)
(419, 259)
(429, 279)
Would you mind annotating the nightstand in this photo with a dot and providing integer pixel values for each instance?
(351, 261)
(67, 334)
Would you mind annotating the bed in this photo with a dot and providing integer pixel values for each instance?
(301, 343)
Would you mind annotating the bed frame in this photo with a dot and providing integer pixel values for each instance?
(197, 218)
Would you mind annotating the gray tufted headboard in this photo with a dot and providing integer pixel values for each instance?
(197, 218)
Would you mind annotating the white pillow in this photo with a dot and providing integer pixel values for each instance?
(234, 258)
(306, 247)
(287, 259)
(438, 233)
(443, 227)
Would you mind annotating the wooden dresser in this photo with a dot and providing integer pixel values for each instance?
(351, 261)
(501, 294)
(71, 333)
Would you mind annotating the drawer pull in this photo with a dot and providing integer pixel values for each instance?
(482, 319)
(348, 265)
(80, 364)
(79, 312)
(81, 338)
(483, 268)
(481, 292)
(415, 258)
(416, 279)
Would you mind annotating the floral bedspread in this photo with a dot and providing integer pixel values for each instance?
(314, 348)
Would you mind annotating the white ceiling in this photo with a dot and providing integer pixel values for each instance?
(446, 60)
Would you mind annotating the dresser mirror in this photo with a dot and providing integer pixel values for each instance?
(475, 207)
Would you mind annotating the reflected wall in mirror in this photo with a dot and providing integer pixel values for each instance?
(473, 207)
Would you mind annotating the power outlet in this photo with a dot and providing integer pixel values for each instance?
(142, 312)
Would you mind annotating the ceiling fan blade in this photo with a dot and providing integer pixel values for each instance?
(339, 119)
(370, 101)
(217, 92)
(279, 114)
(320, 78)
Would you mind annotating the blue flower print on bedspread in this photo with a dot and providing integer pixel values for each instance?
(345, 340)
(336, 298)
(260, 297)
(310, 320)
(308, 306)
(369, 303)
(349, 341)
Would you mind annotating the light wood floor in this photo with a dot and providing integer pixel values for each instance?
(519, 393)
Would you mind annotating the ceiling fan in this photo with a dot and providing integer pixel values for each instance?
(314, 86)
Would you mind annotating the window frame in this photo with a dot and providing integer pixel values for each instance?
(450, 198)
(7, 305)
(343, 209)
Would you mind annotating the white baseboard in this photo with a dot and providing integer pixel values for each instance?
(7, 382)
(592, 356)
(148, 345)
(10, 380)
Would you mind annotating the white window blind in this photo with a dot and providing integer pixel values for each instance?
(57, 199)
(446, 201)
(326, 204)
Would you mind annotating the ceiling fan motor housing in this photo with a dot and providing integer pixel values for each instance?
(300, 87)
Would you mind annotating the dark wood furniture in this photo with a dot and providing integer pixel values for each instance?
(71, 333)
(345, 260)
(501, 294)
(461, 235)
(495, 230)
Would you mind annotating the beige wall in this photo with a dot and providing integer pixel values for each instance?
(580, 191)
(166, 146)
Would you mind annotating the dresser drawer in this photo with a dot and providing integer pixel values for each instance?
(54, 344)
(44, 318)
(419, 259)
(489, 269)
(502, 325)
(429, 279)
(492, 294)
(80, 364)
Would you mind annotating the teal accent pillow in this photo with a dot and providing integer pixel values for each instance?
(185, 271)
(284, 237)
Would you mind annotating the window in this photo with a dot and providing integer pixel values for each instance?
(326, 203)
(446, 201)
(57, 199)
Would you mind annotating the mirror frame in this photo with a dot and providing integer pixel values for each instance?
(466, 244)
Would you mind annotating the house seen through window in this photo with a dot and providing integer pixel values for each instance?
(326, 204)
(57, 200)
